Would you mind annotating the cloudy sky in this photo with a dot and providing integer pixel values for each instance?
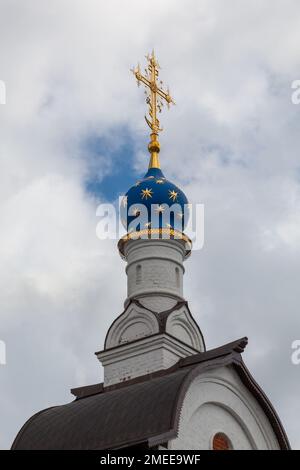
(72, 135)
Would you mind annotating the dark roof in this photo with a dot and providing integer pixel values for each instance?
(143, 410)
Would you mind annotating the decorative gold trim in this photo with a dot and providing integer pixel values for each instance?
(149, 233)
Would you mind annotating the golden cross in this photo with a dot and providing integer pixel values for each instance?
(155, 97)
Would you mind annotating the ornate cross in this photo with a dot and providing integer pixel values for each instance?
(155, 97)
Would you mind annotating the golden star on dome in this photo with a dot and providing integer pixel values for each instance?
(159, 181)
(146, 193)
(173, 195)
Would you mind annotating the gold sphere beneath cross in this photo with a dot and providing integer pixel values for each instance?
(154, 146)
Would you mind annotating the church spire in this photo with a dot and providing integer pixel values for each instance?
(155, 98)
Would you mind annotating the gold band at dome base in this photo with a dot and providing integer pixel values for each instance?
(156, 234)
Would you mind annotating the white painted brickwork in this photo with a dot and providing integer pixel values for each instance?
(158, 303)
(140, 358)
(217, 401)
(155, 267)
(155, 276)
(136, 322)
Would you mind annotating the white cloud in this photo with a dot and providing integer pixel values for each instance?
(232, 141)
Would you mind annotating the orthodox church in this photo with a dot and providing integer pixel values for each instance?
(162, 389)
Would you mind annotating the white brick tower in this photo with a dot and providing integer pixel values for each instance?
(156, 328)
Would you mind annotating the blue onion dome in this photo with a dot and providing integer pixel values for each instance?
(154, 203)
